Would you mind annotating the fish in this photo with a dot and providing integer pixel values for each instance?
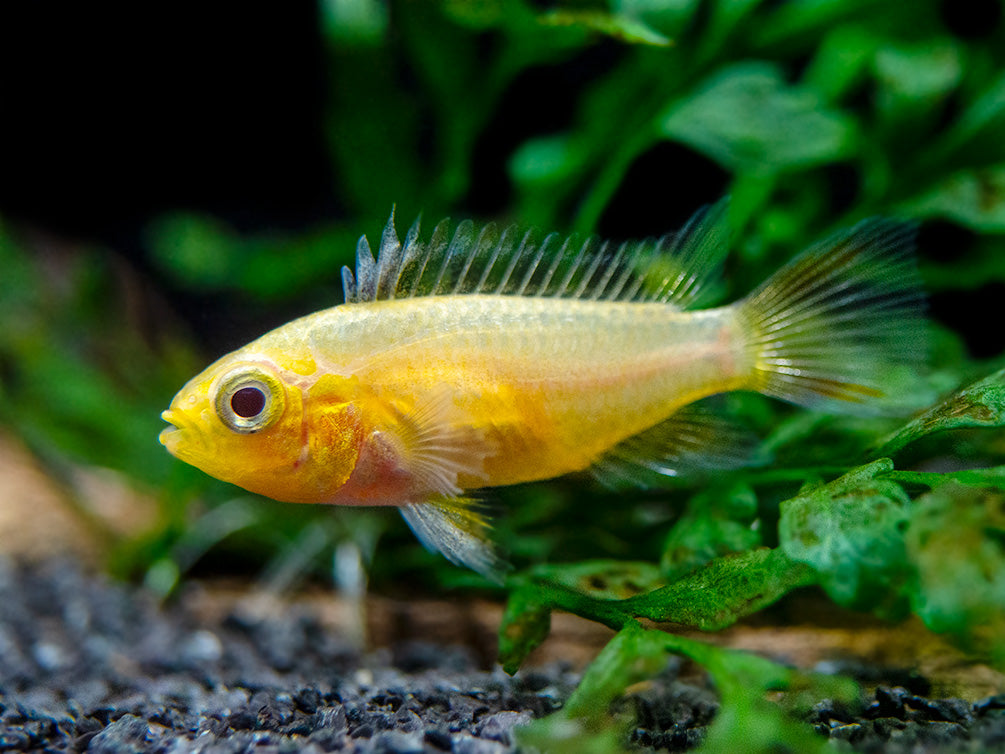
(483, 357)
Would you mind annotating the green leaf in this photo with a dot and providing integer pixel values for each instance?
(722, 592)
(914, 76)
(981, 404)
(199, 252)
(989, 477)
(956, 541)
(748, 119)
(525, 624)
(356, 21)
(851, 533)
(802, 20)
(667, 17)
(975, 138)
(709, 598)
(973, 198)
(202, 253)
(543, 161)
(584, 724)
(717, 522)
(841, 61)
(632, 655)
(620, 26)
(746, 721)
(282, 268)
(602, 579)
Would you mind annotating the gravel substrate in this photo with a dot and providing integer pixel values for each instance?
(87, 665)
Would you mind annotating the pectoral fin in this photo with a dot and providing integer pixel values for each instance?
(443, 451)
(440, 446)
(457, 528)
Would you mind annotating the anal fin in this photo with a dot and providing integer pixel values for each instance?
(459, 529)
(695, 439)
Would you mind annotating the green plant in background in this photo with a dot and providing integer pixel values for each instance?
(811, 114)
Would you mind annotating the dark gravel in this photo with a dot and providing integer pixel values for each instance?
(88, 665)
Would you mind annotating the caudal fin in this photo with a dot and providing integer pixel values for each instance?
(826, 329)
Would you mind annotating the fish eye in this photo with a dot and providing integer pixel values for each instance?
(248, 402)
(249, 399)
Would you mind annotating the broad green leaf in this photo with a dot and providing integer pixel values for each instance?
(584, 725)
(543, 168)
(525, 624)
(746, 721)
(747, 118)
(973, 198)
(631, 656)
(723, 591)
(197, 251)
(725, 17)
(851, 533)
(708, 598)
(912, 77)
(956, 541)
(280, 268)
(354, 21)
(588, 585)
(717, 522)
(981, 404)
(601, 579)
(487, 13)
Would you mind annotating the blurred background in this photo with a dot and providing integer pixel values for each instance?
(176, 181)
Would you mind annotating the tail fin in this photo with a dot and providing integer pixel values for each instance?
(824, 331)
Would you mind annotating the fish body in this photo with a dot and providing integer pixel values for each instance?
(483, 360)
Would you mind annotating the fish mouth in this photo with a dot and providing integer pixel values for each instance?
(170, 436)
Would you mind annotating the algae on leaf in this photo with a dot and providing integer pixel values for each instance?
(981, 404)
(708, 598)
(956, 543)
(851, 533)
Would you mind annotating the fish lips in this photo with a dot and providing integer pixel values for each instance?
(171, 436)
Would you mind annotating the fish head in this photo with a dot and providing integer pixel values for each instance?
(246, 420)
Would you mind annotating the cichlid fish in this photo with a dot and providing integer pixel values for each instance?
(487, 358)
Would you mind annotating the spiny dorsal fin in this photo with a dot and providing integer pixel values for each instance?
(672, 269)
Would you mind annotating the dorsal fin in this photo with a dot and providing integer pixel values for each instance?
(672, 269)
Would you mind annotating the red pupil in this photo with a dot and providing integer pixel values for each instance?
(248, 402)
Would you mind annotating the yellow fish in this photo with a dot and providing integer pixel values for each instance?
(485, 358)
